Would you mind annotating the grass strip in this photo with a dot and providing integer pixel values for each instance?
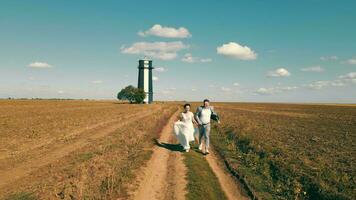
(202, 182)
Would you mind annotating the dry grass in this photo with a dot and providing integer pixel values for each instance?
(100, 169)
(290, 151)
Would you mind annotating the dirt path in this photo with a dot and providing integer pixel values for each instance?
(164, 175)
(227, 182)
(8, 176)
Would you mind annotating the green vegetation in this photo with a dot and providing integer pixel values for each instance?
(290, 151)
(132, 94)
(202, 182)
(85, 156)
(22, 196)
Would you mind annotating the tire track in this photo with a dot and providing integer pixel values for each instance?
(232, 189)
(164, 175)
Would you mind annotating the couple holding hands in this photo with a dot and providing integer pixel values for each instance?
(184, 128)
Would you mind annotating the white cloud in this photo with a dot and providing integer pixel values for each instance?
(349, 77)
(60, 92)
(288, 88)
(327, 58)
(225, 89)
(264, 91)
(166, 32)
(160, 69)
(39, 65)
(155, 78)
(351, 61)
(337, 83)
(237, 51)
(31, 78)
(313, 69)
(204, 60)
(194, 89)
(274, 90)
(158, 50)
(190, 59)
(342, 80)
(97, 81)
(236, 84)
(280, 72)
(317, 85)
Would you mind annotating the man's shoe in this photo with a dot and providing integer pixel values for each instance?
(200, 147)
(187, 150)
(207, 151)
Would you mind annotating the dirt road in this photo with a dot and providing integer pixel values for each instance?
(228, 183)
(164, 177)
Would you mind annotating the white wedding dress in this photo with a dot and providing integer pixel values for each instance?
(184, 129)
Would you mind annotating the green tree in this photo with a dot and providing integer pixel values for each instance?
(132, 94)
(140, 95)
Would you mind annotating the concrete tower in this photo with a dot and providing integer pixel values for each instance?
(145, 78)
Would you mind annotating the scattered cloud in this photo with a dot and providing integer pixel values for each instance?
(60, 92)
(351, 61)
(342, 80)
(274, 90)
(166, 32)
(337, 83)
(237, 51)
(190, 59)
(349, 77)
(194, 89)
(155, 78)
(158, 50)
(264, 91)
(327, 58)
(225, 89)
(280, 72)
(317, 85)
(312, 69)
(160, 69)
(236, 84)
(39, 65)
(97, 81)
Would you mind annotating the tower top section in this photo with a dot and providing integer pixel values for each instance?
(145, 64)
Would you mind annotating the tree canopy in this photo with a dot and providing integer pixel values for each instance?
(132, 94)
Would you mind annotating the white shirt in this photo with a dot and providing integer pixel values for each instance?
(205, 115)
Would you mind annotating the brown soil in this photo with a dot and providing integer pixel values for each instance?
(164, 175)
(12, 173)
(228, 183)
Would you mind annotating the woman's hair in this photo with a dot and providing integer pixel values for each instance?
(187, 104)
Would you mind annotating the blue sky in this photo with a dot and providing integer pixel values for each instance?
(260, 51)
